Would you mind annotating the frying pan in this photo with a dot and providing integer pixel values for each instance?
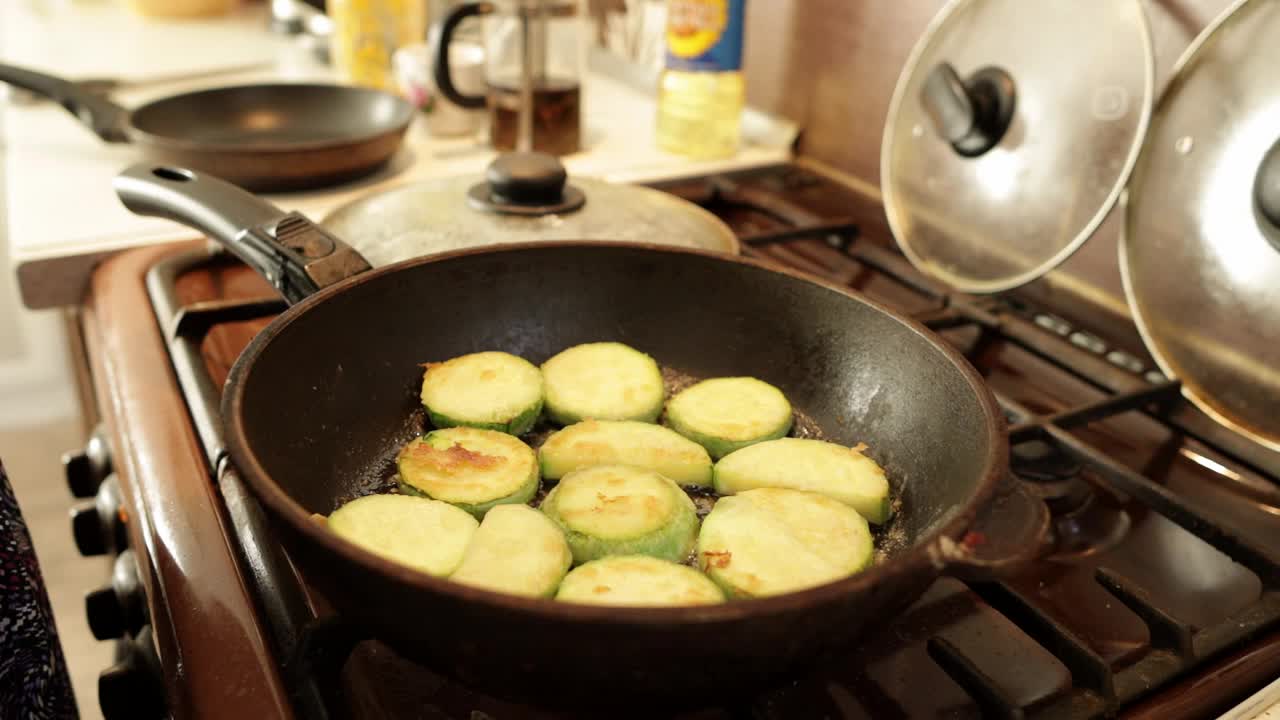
(317, 405)
(268, 138)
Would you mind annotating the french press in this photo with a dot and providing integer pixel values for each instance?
(533, 68)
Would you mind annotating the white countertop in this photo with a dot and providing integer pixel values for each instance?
(1263, 705)
(62, 215)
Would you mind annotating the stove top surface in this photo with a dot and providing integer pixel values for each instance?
(1160, 596)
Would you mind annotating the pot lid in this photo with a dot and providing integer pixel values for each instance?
(1200, 246)
(523, 197)
(1010, 135)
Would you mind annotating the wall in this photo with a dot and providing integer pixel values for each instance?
(831, 65)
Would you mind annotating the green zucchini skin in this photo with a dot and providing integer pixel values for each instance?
(842, 473)
(772, 541)
(622, 510)
(486, 390)
(427, 535)
(477, 510)
(625, 442)
(729, 413)
(519, 425)
(516, 550)
(602, 381)
(471, 468)
(638, 581)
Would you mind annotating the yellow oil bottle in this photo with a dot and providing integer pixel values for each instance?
(701, 92)
(366, 33)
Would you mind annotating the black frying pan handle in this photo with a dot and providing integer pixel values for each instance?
(1011, 531)
(294, 254)
(108, 120)
(444, 77)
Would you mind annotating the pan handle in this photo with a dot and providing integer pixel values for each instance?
(294, 254)
(443, 75)
(1011, 531)
(106, 119)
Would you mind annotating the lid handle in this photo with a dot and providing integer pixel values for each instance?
(946, 101)
(972, 115)
(526, 178)
(1266, 194)
(525, 183)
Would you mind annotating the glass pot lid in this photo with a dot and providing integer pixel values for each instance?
(523, 197)
(1010, 135)
(1200, 245)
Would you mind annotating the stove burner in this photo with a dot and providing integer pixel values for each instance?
(1085, 521)
(1040, 461)
(1095, 526)
(1054, 474)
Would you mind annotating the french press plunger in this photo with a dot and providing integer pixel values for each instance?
(533, 67)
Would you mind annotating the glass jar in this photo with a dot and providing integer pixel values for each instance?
(534, 55)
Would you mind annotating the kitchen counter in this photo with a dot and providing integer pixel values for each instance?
(63, 218)
(1264, 705)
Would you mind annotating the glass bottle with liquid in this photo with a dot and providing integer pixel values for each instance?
(701, 92)
(367, 33)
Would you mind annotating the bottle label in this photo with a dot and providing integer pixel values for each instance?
(704, 35)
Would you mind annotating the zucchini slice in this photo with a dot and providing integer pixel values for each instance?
(622, 510)
(822, 467)
(772, 541)
(468, 467)
(625, 442)
(517, 550)
(638, 581)
(488, 390)
(730, 413)
(424, 534)
(602, 381)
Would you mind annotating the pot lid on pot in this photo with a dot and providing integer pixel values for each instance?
(1010, 134)
(523, 197)
(1200, 246)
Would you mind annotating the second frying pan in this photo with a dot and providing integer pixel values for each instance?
(267, 138)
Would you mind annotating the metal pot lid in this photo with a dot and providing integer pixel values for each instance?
(522, 198)
(1010, 134)
(1200, 246)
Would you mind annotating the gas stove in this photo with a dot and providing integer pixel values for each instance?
(1160, 597)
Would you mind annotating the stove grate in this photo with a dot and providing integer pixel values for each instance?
(836, 250)
(1176, 646)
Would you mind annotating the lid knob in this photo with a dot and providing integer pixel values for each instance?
(972, 115)
(525, 183)
(1266, 193)
(526, 178)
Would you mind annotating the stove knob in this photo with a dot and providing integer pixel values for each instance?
(118, 608)
(132, 688)
(86, 469)
(98, 526)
